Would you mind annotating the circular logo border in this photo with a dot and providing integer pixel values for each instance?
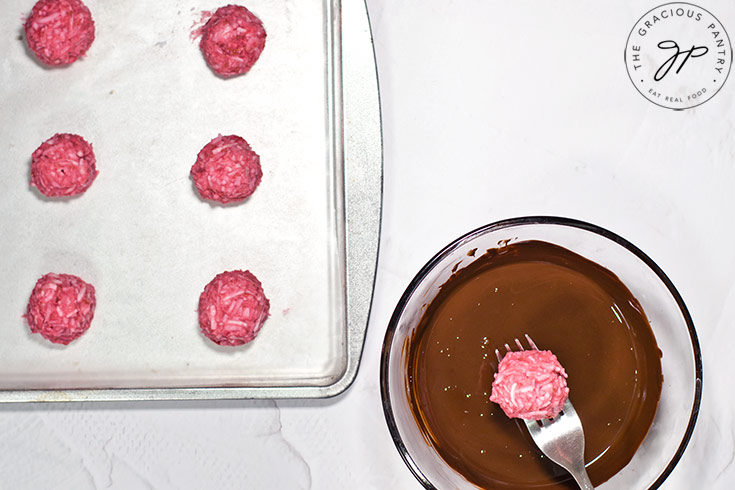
(627, 43)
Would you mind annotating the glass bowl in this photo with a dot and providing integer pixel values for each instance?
(669, 319)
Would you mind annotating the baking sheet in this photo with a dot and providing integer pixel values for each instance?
(145, 99)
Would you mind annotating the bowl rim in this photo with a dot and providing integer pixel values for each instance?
(515, 222)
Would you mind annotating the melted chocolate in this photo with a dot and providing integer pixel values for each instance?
(577, 309)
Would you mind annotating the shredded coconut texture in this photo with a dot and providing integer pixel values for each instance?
(530, 385)
(233, 308)
(232, 40)
(59, 31)
(61, 307)
(64, 165)
(226, 170)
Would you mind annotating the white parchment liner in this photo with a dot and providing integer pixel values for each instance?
(146, 100)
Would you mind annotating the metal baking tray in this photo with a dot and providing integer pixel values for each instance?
(144, 97)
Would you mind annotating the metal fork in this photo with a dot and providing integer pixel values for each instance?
(561, 439)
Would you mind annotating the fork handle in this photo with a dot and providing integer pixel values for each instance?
(580, 475)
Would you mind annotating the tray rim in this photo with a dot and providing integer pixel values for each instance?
(359, 122)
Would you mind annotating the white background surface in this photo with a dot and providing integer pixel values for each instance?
(491, 110)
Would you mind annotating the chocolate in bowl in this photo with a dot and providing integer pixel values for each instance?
(532, 261)
(569, 305)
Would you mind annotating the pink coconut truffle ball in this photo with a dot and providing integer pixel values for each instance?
(232, 40)
(59, 31)
(64, 165)
(226, 170)
(233, 308)
(530, 385)
(61, 307)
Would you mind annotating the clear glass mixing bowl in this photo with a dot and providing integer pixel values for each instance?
(670, 321)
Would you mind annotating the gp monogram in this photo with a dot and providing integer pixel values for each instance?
(678, 55)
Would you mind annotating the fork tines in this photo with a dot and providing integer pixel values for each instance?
(520, 346)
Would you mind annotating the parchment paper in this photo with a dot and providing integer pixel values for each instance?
(146, 100)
